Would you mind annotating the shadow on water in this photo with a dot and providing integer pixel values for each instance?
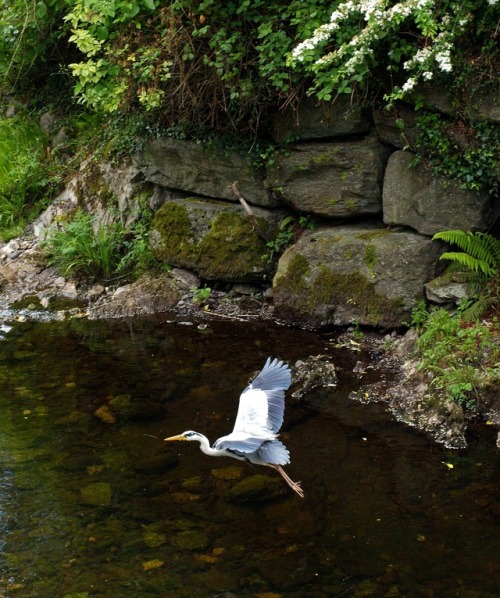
(95, 508)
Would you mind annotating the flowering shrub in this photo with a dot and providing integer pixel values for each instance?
(415, 40)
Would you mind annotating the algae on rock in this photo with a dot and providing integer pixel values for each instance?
(345, 274)
(217, 241)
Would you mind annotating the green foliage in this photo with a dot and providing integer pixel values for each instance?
(201, 295)
(410, 41)
(30, 31)
(479, 263)
(480, 251)
(79, 248)
(464, 152)
(462, 357)
(138, 255)
(289, 230)
(195, 64)
(23, 182)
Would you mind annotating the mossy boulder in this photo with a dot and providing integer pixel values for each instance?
(218, 241)
(335, 179)
(351, 273)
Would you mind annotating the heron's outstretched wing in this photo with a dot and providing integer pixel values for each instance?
(262, 403)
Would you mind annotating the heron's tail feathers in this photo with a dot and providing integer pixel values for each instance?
(274, 452)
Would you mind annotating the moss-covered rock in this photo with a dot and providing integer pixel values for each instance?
(345, 274)
(216, 240)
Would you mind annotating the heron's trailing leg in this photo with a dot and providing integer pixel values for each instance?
(293, 485)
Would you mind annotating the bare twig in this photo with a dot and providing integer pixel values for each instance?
(249, 212)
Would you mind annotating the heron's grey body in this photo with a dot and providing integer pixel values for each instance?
(258, 421)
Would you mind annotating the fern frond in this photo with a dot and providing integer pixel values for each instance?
(477, 309)
(481, 251)
(493, 248)
(454, 237)
(470, 262)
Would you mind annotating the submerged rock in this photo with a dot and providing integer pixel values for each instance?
(156, 464)
(257, 488)
(98, 494)
(190, 540)
(312, 372)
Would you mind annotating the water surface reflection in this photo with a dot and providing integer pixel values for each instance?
(89, 507)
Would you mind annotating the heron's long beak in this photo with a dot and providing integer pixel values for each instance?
(172, 438)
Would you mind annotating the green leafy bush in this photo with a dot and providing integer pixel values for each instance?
(192, 64)
(79, 248)
(403, 43)
(22, 173)
(30, 32)
(464, 151)
(138, 256)
(463, 357)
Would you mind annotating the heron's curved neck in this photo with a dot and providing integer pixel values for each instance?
(205, 446)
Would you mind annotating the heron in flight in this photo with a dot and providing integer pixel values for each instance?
(260, 415)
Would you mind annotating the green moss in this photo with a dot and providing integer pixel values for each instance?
(172, 222)
(369, 236)
(323, 158)
(231, 249)
(94, 186)
(351, 204)
(231, 245)
(321, 291)
(370, 259)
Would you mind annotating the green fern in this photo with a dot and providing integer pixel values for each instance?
(480, 251)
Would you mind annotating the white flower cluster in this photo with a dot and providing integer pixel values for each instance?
(383, 18)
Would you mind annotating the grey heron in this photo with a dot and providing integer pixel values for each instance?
(259, 418)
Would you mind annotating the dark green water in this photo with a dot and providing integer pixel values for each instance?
(107, 510)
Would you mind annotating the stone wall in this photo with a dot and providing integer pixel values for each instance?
(370, 254)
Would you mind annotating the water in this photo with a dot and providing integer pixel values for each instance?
(89, 508)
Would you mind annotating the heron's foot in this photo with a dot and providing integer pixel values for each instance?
(295, 486)
(298, 488)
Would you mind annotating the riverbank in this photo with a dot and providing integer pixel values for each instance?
(31, 290)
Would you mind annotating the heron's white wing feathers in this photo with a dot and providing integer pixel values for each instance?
(240, 442)
(262, 403)
(260, 411)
